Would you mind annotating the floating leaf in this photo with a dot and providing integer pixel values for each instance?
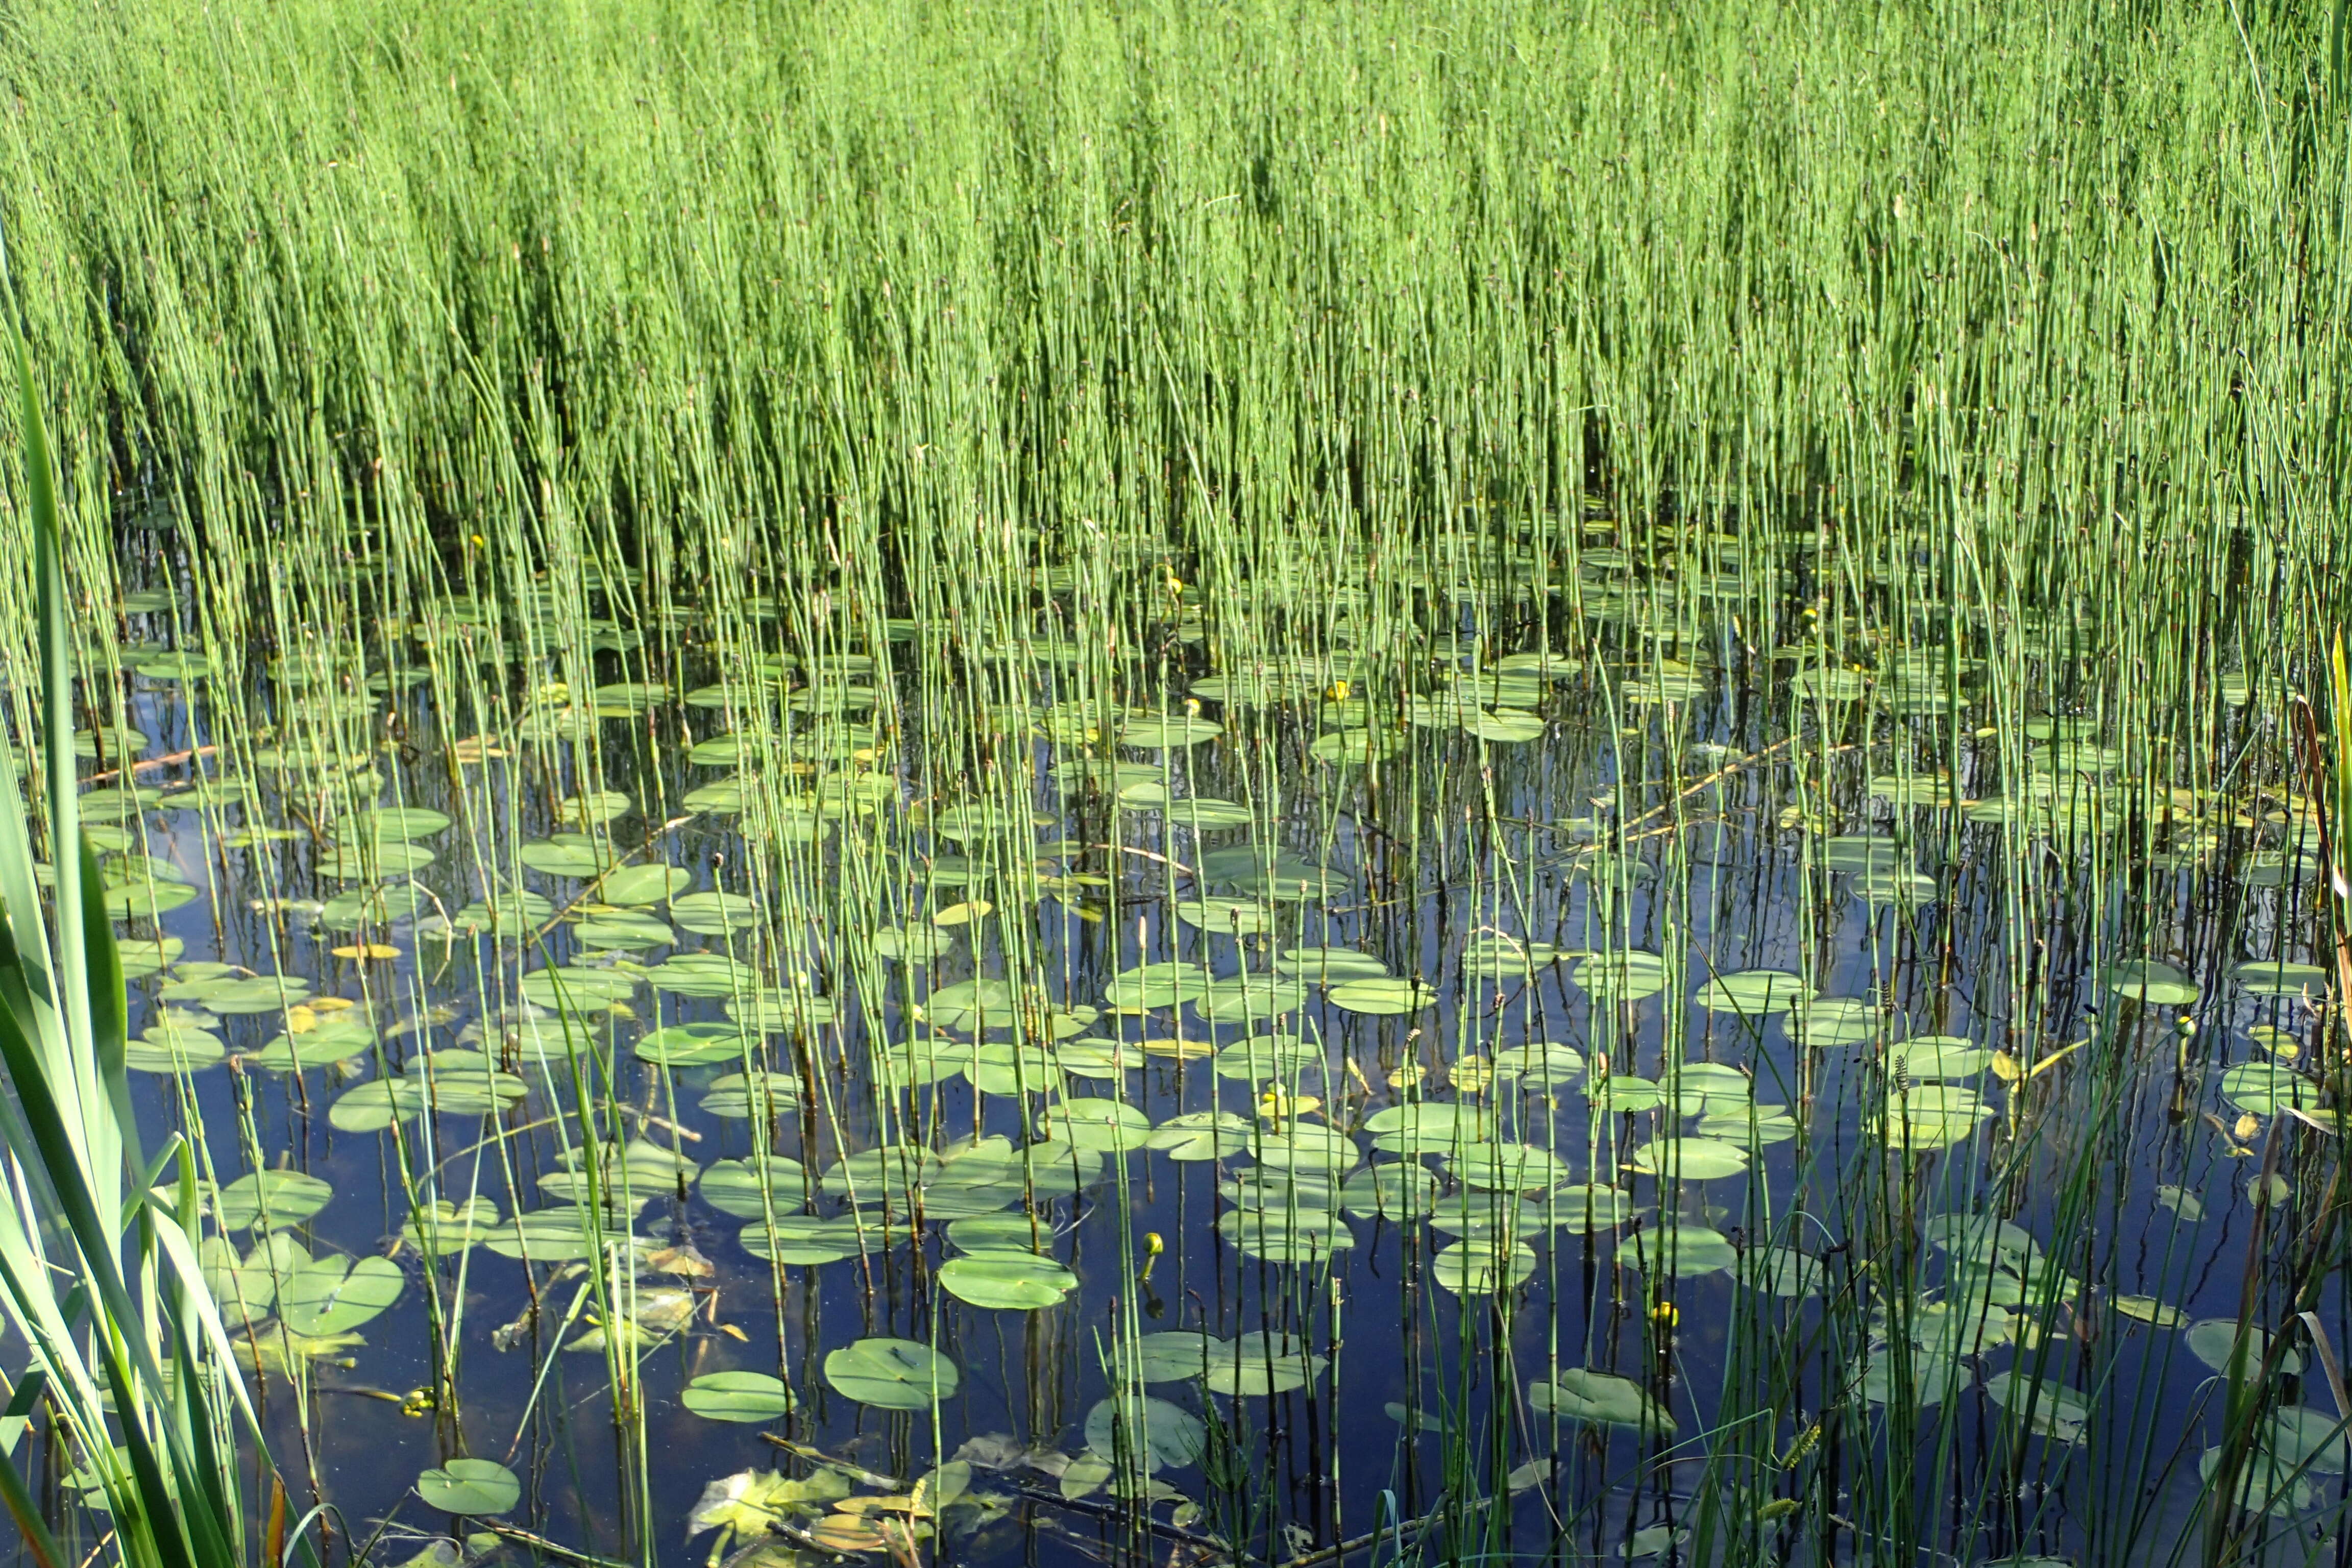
(471, 1487)
(2151, 984)
(332, 1295)
(274, 1198)
(893, 1374)
(1133, 1423)
(1006, 1283)
(634, 886)
(1599, 1399)
(2148, 1310)
(742, 1396)
(1383, 998)
(1753, 993)
(2054, 1411)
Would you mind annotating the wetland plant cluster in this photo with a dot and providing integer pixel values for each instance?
(1237, 785)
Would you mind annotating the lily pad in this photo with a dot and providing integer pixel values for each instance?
(1194, 1135)
(1104, 1125)
(1599, 1399)
(1543, 1063)
(1383, 998)
(332, 1295)
(471, 1487)
(2050, 1408)
(2277, 977)
(1256, 1364)
(1006, 1283)
(1690, 1249)
(273, 1199)
(1753, 993)
(743, 1397)
(892, 1374)
(2151, 983)
(1135, 1423)
(637, 886)
(1614, 978)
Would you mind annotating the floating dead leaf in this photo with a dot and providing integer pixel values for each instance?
(846, 1532)
(682, 1260)
(992, 1451)
(897, 1502)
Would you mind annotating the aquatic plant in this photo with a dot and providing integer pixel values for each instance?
(98, 1257)
(1270, 785)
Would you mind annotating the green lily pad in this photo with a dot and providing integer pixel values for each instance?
(451, 1227)
(1544, 1063)
(1263, 1056)
(558, 1234)
(1328, 965)
(1256, 1364)
(637, 886)
(892, 1374)
(2151, 983)
(696, 1045)
(1834, 1021)
(2276, 978)
(392, 858)
(804, 1240)
(1156, 733)
(2054, 1411)
(399, 822)
(1383, 998)
(1931, 1058)
(733, 1186)
(574, 855)
(1483, 1266)
(1134, 1425)
(2266, 1088)
(713, 913)
(1249, 996)
(1583, 1210)
(1105, 1125)
(1614, 977)
(1396, 1190)
(2212, 1339)
(272, 1198)
(231, 996)
(1300, 1145)
(1507, 1167)
(480, 1487)
(332, 1295)
(743, 1397)
(1691, 1250)
(1003, 1282)
(593, 807)
(1300, 1234)
(1599, 1399)
(1194, 1135)
(1689, 1158)
(1753, 993)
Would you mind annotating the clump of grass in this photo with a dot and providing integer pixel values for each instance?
(127, 1347)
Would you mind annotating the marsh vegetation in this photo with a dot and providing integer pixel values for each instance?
(1243, 786)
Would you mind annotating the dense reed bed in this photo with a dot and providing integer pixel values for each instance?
(1238, 785)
